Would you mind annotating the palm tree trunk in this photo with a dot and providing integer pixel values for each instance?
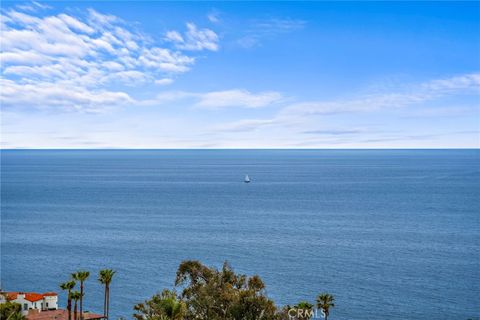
(69, 306)
(75, 311)
(105, 302)
(81, 300)
(108, 300)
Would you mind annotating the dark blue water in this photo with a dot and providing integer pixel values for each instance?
(393, 234)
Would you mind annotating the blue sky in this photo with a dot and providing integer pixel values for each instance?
(240, 74)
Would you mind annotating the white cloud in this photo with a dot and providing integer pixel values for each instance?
(299, 114)
(431, 90)
(164, 81)
(101, 20)
(33, 6)
(466, 81)
(174, 36)
(130, 77)
(45, 95)
(237, 98)
(294, 113)
(75, 24)
(23, 58)
(213, 100)
(165, 60)
(194, 39)
(89, 54)
(214, 16)
(244, 125)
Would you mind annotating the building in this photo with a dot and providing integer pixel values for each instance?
(33, 301)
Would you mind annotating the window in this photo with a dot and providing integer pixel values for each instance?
(25, 306)
(47, 304)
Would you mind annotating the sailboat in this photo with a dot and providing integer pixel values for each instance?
(247, 179)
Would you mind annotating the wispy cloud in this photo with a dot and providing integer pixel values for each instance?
(278, 25)
(213, 16)
(431, 90)
(428, 136)
(237, 98)
(33, 6)
(334, 132)
(74, 62)
(268, 28)
(298, 113)
(216, 100)
(164, 81)
(244, 125)
(43, 95)
(193, 39)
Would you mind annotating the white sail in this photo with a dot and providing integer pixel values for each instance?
(247, 178)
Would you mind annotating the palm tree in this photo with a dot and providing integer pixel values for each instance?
(174, 309)
(81, 276)
(304, 310)
(75, 295)
(163, 306)
(324, 302)
(105, 277)
(69, 285)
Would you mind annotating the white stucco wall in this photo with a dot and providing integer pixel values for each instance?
(52, 302)
(38, 305)
(24, 303)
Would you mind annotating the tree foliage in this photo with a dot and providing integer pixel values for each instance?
(164, 306)
(205, 293)
(303, 311)
(105, 277)
(325, 301)
(81, 276)
(210, 294)
(11, 311)
(68, 286)
(222, 294)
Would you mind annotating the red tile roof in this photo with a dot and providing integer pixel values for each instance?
(59, 315)
(30, 296)
(12, 295)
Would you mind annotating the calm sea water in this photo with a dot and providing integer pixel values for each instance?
(393, 234)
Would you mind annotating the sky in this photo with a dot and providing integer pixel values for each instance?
(132, 74)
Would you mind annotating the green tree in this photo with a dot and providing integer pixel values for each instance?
(325, 301)
(222, 294)
(164, 306)
(68, 286)
(303, 310)
(105, 277)
(81, 276)
(11, 311)
(75, 296)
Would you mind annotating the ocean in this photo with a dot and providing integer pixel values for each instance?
(392, 234)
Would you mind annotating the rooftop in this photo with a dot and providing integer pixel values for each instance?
(30, 296)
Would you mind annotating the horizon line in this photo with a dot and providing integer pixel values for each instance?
(206, 149)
